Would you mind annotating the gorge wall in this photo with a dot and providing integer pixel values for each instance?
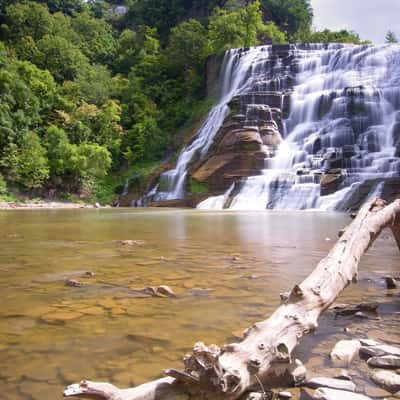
(296, 127)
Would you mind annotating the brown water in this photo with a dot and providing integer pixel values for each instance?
(52, 335)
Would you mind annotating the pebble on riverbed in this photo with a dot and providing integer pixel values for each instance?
(73, 283)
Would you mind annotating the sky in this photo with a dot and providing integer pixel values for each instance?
(371, 19)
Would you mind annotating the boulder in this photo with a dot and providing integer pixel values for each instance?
(344, 352)
(332, 383)
(387, 380)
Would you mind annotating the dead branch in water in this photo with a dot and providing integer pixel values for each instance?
(265, 353)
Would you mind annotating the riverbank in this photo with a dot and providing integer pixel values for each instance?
(42, 204)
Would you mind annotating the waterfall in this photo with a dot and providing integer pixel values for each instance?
(341, 132)
(238, 70)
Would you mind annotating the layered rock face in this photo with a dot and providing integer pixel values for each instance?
(246, 138)
(297, 127)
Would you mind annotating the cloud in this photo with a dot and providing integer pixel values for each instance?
(371, 19)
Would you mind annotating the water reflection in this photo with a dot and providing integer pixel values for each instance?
(226, 268)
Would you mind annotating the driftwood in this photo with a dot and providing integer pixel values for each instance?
(264, 355)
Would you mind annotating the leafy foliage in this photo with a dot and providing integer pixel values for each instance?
(86, 91)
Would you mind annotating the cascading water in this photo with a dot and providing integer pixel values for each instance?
(237, 74)
(342, 132)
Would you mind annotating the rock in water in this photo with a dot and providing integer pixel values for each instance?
(332, 383)
(344, 352)
(390, 282)
(386, 379)
(384, 362)
(284, 395)
(333, 394)
(165, 291)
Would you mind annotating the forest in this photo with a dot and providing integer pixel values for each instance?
(93, 92)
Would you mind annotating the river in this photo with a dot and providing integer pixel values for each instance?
(227, 269)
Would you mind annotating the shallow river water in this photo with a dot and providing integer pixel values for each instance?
(226, 268)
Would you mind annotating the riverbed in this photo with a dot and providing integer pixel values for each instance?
(226, 268)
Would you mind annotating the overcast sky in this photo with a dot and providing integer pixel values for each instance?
(371, 19)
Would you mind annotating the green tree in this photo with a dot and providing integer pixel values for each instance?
(63, 59)
(27, 19)
(391, 37)
(31, 169)
(92, 84)
(188, 45)
(97, 40)
(292, 16)
(68, 7)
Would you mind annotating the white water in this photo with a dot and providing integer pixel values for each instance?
(325, 116)
(238, 70)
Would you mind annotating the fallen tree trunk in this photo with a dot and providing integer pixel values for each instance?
(265, 352)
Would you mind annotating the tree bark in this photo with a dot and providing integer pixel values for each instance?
(265, 353)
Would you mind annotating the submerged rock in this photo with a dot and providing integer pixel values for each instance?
(344, 352)
(390, 282)
(74, 283)
(351, 309)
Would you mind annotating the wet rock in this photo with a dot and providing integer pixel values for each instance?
(387, 380)
(74, 283)
(284, 395)
(92, 311)
(344, 352)
(258, 396)
(131, 242)
(333, 394)
(200, 291)
(332, 383)
(88, 274)
(374, 391)
(369, 342)
(351, 309)
(165, 291)
(343, 375)
(379, 351)
(390, 282)
(117, 311)
(60, 317)
(384, 362)
(298, 373)
(362, 315)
